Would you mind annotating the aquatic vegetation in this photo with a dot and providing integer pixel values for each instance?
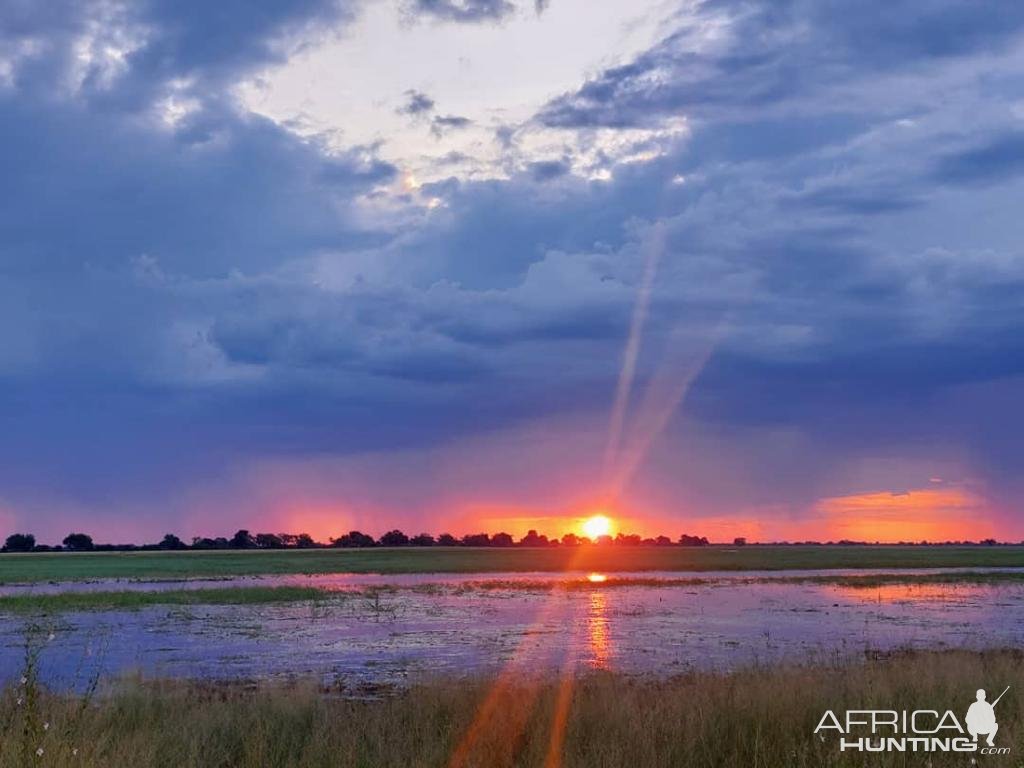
(131, 600)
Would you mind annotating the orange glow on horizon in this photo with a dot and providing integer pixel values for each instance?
(925, 514)
(936, 513)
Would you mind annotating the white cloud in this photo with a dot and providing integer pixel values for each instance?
(352, 86)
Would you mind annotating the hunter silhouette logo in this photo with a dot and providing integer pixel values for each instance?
(981, 717)
(919, 730)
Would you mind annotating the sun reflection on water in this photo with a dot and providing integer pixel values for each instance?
(597, 629)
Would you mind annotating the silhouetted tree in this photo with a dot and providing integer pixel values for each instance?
(571, 540)
(422, 540)
(304, 541)
(692, 541)
(740, 541)
(447, 540)
(268, 541)
(502, 539)
(202, 542)
(19, 542)
(170, 541)
(663, 541)
(476, 540)
(78, 542)
(242, 540)
(627, 539)
(354, 539)
(532, 539)
(394, 538)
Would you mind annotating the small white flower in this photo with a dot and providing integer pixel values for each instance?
(18, 702)
(46, 726)
(50, 636)
(39, 752)
(74, 752)
(24, 679)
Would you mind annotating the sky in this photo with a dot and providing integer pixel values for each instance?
(715, 267)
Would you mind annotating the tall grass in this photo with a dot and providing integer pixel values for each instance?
(754, 717)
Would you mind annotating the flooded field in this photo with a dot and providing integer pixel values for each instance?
(382, 630)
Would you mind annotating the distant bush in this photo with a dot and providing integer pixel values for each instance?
(170, 541)
(78, 542)
(354, 539)
(204, 543)
(394, 538)
(692, 541)
(242, 540)
(533, 539)
(19, 542)
(269, 541)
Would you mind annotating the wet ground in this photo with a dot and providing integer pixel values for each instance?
(425, 624)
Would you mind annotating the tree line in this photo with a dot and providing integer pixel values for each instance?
(243, 539)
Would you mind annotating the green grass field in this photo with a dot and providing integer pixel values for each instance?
(64, 566)
(763, 717)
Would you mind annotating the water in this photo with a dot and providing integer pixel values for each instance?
(430, 624)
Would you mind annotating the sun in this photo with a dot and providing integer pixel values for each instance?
(596, 526)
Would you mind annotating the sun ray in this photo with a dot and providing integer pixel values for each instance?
(655, 248)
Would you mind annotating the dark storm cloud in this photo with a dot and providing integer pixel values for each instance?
(243, 197)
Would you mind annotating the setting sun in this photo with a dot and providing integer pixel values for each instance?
(596, 526)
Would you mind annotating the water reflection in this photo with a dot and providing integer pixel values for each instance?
(598, 638)
(908, 593)
(460, 626)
